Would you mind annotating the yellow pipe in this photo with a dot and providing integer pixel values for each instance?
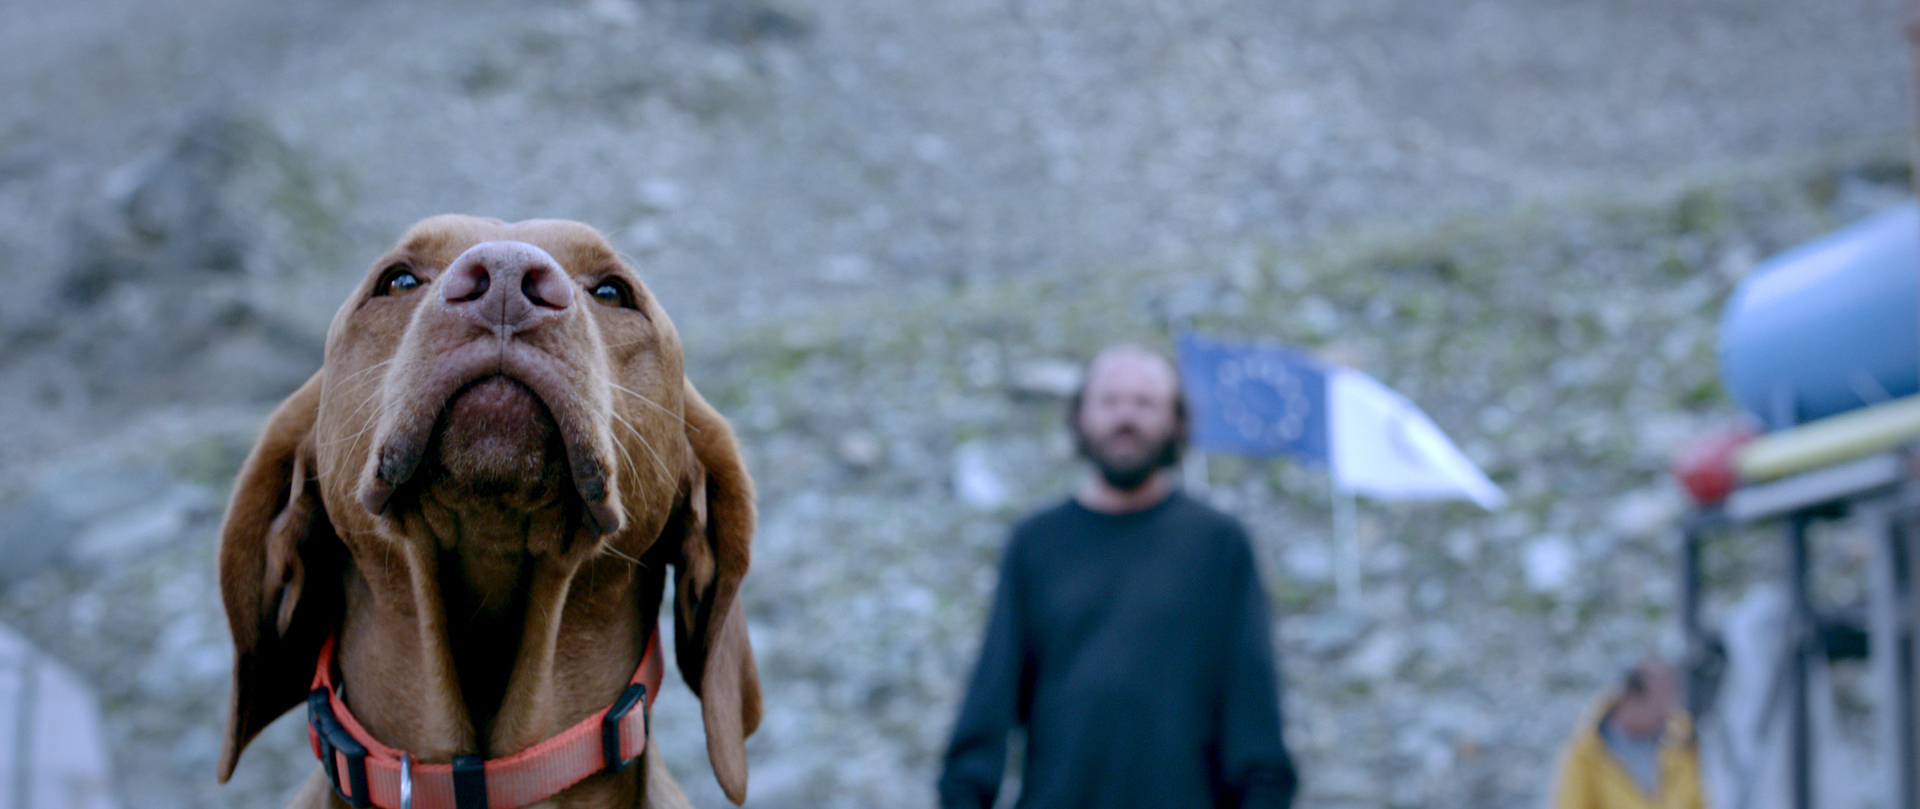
(1829, 441)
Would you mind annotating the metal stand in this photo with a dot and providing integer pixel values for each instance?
(1882, 493)
(1893, 664)
(1805, 645)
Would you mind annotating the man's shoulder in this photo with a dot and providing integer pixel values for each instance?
(1040, 520)
(1178, 505)
(1188, 507)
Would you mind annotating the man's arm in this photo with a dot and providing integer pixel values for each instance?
(1254, 748)
(977, 754)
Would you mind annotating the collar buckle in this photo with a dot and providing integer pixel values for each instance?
(635, 694)
(330, 737)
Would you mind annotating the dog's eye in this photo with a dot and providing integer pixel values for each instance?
(613, 292)
(398, 280)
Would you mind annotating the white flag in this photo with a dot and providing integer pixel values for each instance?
(1382, 445)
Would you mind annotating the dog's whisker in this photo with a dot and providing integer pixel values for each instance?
(372, 401)
(384, 409)
(611, 346)
(348, 438)
(648, 400)
(380, 413)
(628, 465)
(624, 256)
(619, 554)
(666, 472)
(369, 369)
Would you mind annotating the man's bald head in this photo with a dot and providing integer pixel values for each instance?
(1128, 417)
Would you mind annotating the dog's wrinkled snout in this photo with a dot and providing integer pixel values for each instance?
(505, 285)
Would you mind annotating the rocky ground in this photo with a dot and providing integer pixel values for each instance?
(888, 232)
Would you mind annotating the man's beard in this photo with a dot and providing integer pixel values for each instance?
(1129, 473)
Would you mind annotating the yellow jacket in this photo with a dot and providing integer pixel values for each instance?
(1590, 777)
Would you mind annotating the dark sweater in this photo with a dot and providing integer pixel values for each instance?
(1134, 649)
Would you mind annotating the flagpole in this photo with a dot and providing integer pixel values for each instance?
(1346, 539)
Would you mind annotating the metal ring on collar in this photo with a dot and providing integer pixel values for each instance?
(406, 781)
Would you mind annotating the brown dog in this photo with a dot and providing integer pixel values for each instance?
(471, 509)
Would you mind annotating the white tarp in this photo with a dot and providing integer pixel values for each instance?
(51, 755)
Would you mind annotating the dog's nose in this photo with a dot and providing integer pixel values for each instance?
(511, 285)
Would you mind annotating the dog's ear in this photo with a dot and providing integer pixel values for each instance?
(277, 552)
(710, 637)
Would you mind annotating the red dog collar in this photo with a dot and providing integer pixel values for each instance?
(368, 773)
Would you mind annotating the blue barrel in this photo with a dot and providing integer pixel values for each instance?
(1829, 326)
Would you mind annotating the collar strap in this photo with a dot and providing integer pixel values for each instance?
(368, 773)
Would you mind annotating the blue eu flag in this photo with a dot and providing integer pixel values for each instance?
(1254, 400)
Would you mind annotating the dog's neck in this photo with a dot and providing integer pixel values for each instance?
(453, 649)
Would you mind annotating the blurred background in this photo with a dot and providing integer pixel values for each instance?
(889, 232)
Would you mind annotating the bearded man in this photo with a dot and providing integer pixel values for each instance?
(1129, 636)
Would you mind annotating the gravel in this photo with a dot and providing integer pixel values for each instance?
(888, 232)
